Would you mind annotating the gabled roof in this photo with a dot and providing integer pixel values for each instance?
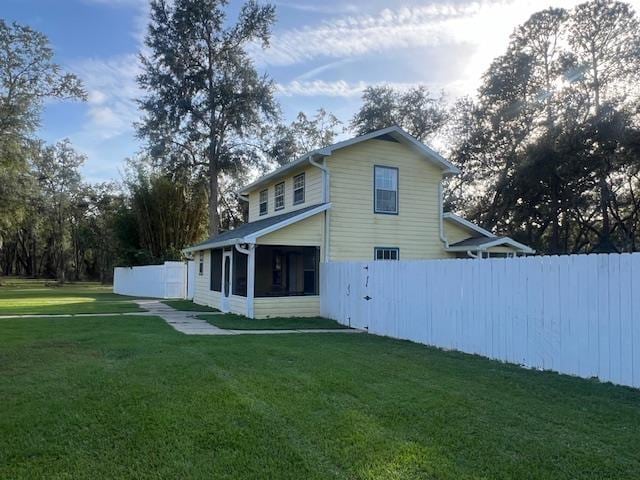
(483, 239)
(483, 243)
(249, 232)
(395, 132)
(468, 225)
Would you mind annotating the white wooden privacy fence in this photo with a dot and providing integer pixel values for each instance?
(576, 314)
(171, 280)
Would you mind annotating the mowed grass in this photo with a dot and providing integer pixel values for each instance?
(129, 397)
(188, 306)
(39, 297)
(238, 322)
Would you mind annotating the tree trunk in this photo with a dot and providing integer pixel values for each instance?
(605, 234)
(214, 218)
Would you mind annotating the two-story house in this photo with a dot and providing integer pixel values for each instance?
(373, 197)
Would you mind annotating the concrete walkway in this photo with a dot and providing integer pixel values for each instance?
(184, 322)
(187, 323)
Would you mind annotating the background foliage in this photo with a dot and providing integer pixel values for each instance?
(549, 146)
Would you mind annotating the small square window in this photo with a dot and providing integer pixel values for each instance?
(386, 253)
(264, 202)
(279, 200)
(298, 189)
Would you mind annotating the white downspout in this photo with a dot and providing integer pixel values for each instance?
(251, 275)
(326, 198)
(443, 237)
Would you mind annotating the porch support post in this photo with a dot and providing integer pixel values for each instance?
(251, 279)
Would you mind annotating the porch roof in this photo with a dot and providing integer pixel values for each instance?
(249, 232)
(483, 243)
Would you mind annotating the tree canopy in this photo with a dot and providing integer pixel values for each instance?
(205, 103)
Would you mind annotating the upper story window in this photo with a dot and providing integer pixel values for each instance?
(298, 189)
(264, 202)
(279, 200)
(385, 190)
(386, 253)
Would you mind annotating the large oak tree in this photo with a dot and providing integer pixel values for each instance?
(205, 102)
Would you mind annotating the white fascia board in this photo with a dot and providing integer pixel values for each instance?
(285, 223)
(395, 131)
(493, 243)
(210, 245)
(470, 225)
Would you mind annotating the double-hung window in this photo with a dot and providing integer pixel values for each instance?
(279, 200)
(201, 264)
(298, 189)
(264, 202)
(386, 253)
(385, 190)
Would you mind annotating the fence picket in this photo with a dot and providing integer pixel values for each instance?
(577, 314)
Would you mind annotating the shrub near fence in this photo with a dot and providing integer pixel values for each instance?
(575, 314)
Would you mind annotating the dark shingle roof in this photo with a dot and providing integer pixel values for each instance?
(474, 242)
(253, 227)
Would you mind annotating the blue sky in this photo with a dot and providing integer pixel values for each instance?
(322, 54)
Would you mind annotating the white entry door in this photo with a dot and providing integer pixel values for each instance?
(227, 258)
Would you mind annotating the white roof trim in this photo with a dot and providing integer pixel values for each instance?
(395, 131)
(285, 223)
(207, 246)
(466, 223)
(251, 238)
(494, 243)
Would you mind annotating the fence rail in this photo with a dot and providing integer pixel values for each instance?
(170, 280)
(575, 314)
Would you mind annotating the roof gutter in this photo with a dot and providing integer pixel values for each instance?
(326, 196)
(443, 236)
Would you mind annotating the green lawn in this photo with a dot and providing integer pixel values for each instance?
(36, 297)
(188, 306)
(237, 322)
(129, 397)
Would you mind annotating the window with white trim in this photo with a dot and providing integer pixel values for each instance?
(385, 190)
(386, 253)
(201, 264)
(298, 189)
(264, 202)
(279, 200)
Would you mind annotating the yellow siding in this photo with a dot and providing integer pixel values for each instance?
(307, 232)
(312, 194)
(456, 233)
(238, 304)
(502, 249)
(307, 306)
(355, 230)
(202, 295)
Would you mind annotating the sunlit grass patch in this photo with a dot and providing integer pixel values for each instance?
(27, 297)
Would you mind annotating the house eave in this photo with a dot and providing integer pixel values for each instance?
(252, 238)
(395, 131)
(494, 243)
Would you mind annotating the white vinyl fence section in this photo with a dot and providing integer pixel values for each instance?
(171, 280)
(575, 314)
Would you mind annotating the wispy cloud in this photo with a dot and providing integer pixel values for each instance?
(315, 7)
(323, 68)
(112, 88)
(339, 88)
(353, 35)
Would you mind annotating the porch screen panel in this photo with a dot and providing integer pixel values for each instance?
(286, 271)
(239, 273)
(216, 270)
